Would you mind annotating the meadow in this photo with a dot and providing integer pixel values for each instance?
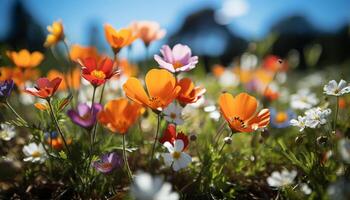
(103, 127)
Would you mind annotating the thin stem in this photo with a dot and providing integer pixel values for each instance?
(336, 115)
(155, 139)
(103, 89)
(222, 147)
(93, 97)
(218, 133)
(126, 163)
(14, 111)
(69, 58)
(53, 116)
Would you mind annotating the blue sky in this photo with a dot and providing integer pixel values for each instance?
(252, 24)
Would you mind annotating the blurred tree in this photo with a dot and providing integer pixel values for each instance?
(209, 39)
(24, 31)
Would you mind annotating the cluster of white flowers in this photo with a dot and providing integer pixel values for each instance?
(314, 118)
(146, 187)
(303, 99)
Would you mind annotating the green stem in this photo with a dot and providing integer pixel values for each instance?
(103, 89)
(126, 163)
(14, 112)
(53, 116)
(222, 147)
(336, 115)
(155, 139)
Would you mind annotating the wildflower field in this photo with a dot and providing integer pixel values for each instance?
(103, 126)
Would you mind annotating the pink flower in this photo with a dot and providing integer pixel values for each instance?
(178, 59)
(148, 31)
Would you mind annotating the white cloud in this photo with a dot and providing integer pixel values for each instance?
(231, 9)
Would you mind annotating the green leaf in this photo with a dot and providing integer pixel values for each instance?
(63, 155)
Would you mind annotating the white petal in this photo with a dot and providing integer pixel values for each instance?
(184, 160)
(178, 145)
(176, 165)
(168, 158)
(169, 146)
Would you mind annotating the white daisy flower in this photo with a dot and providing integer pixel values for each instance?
(173, 114)
(303, 99)
(213, 112)
(34, 153)
(7, 132)
(335, 89)
(278, 179)
(300, 122)
(145, 187)
(176, 157)
(316, 117)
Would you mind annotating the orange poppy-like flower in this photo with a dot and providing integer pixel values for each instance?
(189, 93)
(97, 72)
(148, 31)
(119, 39)
(126, 68)
(79, 52)
(56, 34)
(25, 59)
(119, 115)
(44, 88)
(73, 82)
(161, 86)
(241, 112)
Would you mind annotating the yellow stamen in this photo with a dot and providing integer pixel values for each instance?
(177, 64)
(98, 74)
(36, 154)
(176, 155)
(173, 115)
(281, 117)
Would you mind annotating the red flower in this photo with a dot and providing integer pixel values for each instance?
(169, 135)
(97, 72)
(44, 87)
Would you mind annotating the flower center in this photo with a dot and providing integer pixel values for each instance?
(237, 122)
(281, 117)
(98, 74)
(155, 103)
(176, 155)
(36, 154)
(106, 165)
(177, 64)
(173, 115)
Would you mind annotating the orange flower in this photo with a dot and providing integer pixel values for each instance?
(342, 103)
(5, 73)
(119, 115)
(20, 76)
(56, 34)
(274, 64)
(148, 31)
(189, 93)
(118, 39)
(240, 112)
(161, 86)
(44, 88)
(73, 82)
(271, 94)
(218, 70)
(80, 52)
(25, 59)
(127, 69)
(97, 72)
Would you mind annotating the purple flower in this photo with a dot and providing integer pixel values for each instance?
(6, 88)
(178, 59)
(108, 162)
(281, 119)
(84, 116)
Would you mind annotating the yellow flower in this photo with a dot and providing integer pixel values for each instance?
(25, 59)
(56, 34)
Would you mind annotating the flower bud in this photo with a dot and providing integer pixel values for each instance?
(193, 137)
(228, 140)
(265, 133)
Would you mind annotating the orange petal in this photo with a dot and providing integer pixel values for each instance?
(245, 106)
(135, 91)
